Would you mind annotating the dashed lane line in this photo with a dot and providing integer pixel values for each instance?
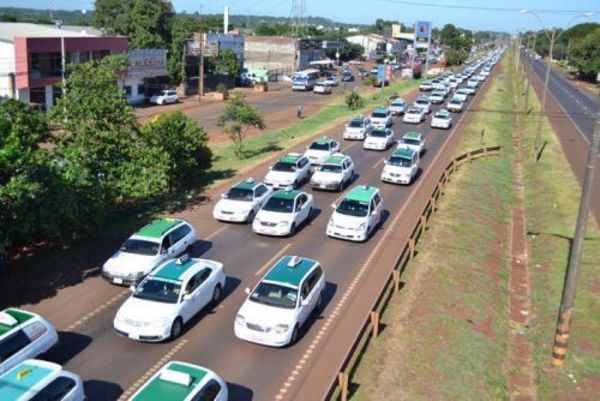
(215, 233)
(166, 358)
(97, 310)
(273, 259)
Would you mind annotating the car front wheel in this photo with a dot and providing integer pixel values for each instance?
(176, 328)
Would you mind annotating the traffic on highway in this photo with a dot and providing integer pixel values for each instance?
(252, 279)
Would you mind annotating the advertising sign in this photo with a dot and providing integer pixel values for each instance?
(147, 63)
(380, 72)
(422, 33)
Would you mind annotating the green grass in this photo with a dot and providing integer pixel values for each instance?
(552, 192)
(260, 147)
(442, 340)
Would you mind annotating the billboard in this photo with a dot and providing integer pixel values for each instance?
(147, 63)
(422, 34)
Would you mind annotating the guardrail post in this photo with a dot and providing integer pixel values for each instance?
(396, 278)
(469, 157)
(375, 323)
(432, 203)
(440, 187)
(343, 383)
(485, 152)
(424, 222)
(454, 166)
(411, 246)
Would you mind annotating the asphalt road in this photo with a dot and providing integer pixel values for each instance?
(579, 106)
(113, 367)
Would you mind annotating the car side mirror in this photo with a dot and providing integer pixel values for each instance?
(187, 297)
(374, 213)
(385, 162)
(164, 250)
(247, 291)
(223, 196)
(304, 302)
(333, 205)
(270, 167)
(132, 288)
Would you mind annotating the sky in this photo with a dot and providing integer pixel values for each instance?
(553, 13)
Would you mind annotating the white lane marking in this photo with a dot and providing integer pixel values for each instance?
(273, 259)
(345, 149)
(97, 310)
(135, 386)
(379, 162)
(215, 233)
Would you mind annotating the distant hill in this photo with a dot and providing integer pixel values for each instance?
(76, 17)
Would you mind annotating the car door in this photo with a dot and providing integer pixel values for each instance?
(378, 208)
(205, 281)
(304, 168)
(15, 348)
(304, 307)
(335, 147)
(212, 391)
(261, 194)
(166, 250)
(177, 239)
(35, 332)
(299, 209)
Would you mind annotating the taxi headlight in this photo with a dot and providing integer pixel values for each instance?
(362, 227)
(330, 222)
(283, 223)
(281, 328)
(162, 322)
(240, 319)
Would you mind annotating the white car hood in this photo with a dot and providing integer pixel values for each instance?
(280, 176)
(233, 205)
(319, 154)
(415, 148)
(130, 263)
(355, 130)
(375, 140)
(266, 315)
(347, 221)
(274, 217)
(146, 311)
(322, 176)
(396, 169)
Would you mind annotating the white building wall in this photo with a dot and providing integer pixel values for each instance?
(7, 67)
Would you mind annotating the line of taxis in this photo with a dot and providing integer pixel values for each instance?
(169, 287)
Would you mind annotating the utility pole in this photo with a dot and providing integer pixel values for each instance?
(568, 51)
(538, 133)
(201, 66)
(565, 315)
(63, 63)
(530, 61)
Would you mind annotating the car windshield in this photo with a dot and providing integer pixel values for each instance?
(398, 103)
(422, 101)
(319, 146)
(280, 205)
(353, 208)
(331, 168)
(158, 290)
(455, 101)
(140, 247)
(379, 115)
(299, 80)
(409, 141)
(399, 161)
(285, 167)
(275, 295)
(356, 124)
(379, 133)
(163, 93)
(414, 111)
(320, 84)
(442, 116)
(240, 194)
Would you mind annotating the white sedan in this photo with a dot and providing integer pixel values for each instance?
(242, 201)
(441, 119)
(283, 213)
(164, 97)
(414, 115)
(169, 297)
(379, 139)
(323, 88)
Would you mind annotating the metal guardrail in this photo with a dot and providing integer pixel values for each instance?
(370, 328)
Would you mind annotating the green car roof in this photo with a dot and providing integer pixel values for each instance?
(281, 272)
(175, 269)
(290, 159)
(404, 153)
(324, 140)
(20, 316)
(335, 160)
(15, 383)
(158, 389)
(361, 193)
(281, 194)
(248, 184)
(158, 227)
(412, 135)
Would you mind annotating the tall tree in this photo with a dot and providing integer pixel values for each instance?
(585, 54)
(183, 28)
(228, 63)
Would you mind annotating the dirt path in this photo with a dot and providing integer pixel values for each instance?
(521, 378)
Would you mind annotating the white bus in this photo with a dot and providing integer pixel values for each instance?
(305, 80)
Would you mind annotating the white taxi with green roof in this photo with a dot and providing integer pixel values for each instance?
(35, 380)
(23, 335)
(358, 128)
(181, 381)
(441, 119)
(334, 174)
(402, 167)
(381, 117)
(412, 140)
(169, 297)
(281, 303)
(161, 240)
(289, 172)
(357, 215)
(414, 115)
(398, 106)
(379, 139)
(242, 201)
(318, 151)
(283, 213)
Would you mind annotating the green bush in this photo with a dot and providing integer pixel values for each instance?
(354, 100)
(222, 88)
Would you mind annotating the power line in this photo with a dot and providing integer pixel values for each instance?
(483, 8)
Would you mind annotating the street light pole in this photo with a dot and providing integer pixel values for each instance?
(530, 61)
(565, 315)
(538, 133)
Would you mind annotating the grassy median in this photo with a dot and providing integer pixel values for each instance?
(332, 114)
(445, 334)
(553, 192)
